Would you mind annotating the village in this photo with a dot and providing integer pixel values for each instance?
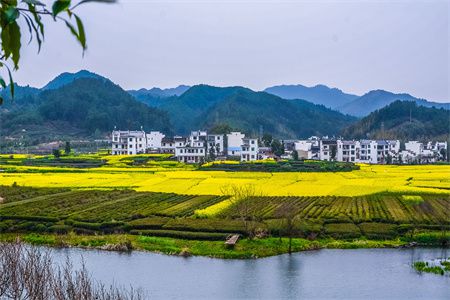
(201, 146)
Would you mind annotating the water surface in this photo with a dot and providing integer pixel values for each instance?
(324, 274)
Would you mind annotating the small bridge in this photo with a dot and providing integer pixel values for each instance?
(232, 240)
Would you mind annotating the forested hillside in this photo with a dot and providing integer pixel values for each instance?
(377, 99)
(83, 108)
(405, 120)
(205, 106)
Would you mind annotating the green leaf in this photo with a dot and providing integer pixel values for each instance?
(59, 6)
(11, 42)
(2, 82)
(81, 32)
(37, 19)
(30, 29)
(72, 29)
(11, 82)
(11, 14)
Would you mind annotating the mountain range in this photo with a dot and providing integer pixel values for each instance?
(85, 107)
(319, 94)
(358, 106)
(79, 104)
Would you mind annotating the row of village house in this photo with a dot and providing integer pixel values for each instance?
(200, 145)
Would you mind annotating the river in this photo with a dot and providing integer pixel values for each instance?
(324, 274)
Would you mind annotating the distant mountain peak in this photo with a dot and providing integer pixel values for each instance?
(67, 77)
(318, 94)
(377, 99)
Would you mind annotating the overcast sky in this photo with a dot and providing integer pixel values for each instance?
(357, 46)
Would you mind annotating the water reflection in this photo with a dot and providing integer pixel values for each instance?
(325, 274)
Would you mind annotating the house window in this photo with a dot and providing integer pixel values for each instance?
(253, 149)
(131, 139)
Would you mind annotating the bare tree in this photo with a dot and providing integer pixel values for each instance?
(287, 212)
(28, 272)
(241, 198)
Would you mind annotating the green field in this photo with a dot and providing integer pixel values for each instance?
(384, 216)
(153, 198)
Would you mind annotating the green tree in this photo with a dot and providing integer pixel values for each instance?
(443, 153)
(33, 12)
(277, 147)
(56, 153)
(266, 140)
(389, 159)
(333, 149)
(212, 154)
(295, 155)
(67, 148)
(221, 129)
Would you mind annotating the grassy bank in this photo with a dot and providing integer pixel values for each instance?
(244, 249)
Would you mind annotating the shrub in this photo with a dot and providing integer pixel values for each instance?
(378, 230)
(343, 230)
(60, 229)
(29, 218)
(187, 235)
(147, 223)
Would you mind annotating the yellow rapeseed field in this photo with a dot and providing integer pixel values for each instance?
(368, 180)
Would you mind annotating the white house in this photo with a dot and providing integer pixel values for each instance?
(414, 147)
(249, 149)
(215, 144)
(167, 145)
(347, 150)
(192, 149)
(367, 152)
(308, 149)
(128, 142)
(328, 150)
(234, 143)
(154, 139)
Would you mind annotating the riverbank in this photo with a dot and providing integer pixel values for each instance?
(244, 249)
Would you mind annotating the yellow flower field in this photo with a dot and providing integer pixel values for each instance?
(368, 180)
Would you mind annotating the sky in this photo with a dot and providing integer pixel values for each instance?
(357, 46)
